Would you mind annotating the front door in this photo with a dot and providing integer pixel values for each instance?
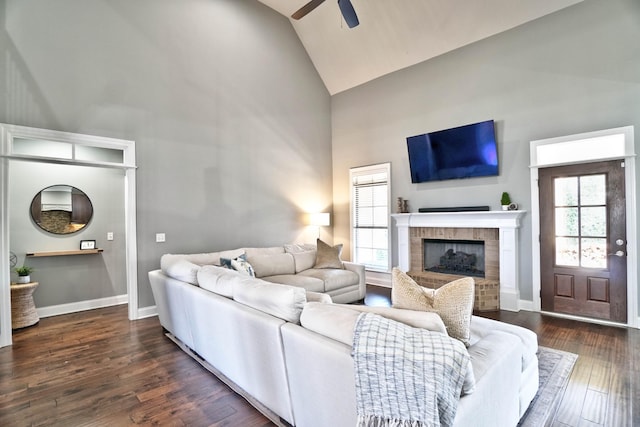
(583, 244)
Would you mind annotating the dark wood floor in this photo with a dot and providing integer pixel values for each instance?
(96, 368)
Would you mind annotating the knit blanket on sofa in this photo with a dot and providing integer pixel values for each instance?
(406, 376)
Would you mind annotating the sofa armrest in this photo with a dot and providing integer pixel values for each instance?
(359, 270)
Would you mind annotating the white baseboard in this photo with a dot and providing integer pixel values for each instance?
(509, 300)
(73, 307)
(526, 305)
(150, 311)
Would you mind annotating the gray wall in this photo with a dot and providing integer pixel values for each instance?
(230, 119)
(69, 279)
(574, 71)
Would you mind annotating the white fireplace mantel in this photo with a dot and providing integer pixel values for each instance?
(507, 222)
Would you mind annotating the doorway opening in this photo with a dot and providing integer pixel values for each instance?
(32, 145)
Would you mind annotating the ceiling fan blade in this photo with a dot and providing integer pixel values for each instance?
(349, 13)
(306, 9)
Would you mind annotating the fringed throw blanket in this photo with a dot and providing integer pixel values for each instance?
(406, 376)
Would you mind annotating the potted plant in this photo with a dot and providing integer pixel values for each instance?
(505, 201)
(24, 274)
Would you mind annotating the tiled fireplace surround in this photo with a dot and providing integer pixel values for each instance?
(498, 230)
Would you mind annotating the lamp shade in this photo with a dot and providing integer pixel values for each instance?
(320, 219)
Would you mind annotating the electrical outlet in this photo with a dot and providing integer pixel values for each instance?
(160, 237)
(110, 235)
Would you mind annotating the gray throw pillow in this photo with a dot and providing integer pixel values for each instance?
(328, 256)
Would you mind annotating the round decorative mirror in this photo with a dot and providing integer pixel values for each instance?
(61, 209)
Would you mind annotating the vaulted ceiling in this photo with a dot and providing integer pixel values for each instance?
(394, 34)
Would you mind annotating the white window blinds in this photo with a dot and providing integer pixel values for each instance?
(370, 196)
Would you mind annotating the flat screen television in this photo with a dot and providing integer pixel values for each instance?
(461, 152)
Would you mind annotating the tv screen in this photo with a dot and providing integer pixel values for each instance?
(461, 152)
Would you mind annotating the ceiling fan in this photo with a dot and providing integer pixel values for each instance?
(348, 12)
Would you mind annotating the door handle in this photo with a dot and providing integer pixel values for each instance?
(619, 254)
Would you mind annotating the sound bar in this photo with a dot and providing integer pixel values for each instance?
(455, 209)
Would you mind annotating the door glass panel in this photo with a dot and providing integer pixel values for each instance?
(581, 221)
(566, 191)
(593, 190)
(567, 250)
(567, 222)
(594, 253)
(593, 221)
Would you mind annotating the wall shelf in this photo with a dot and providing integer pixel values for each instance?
(62, 253)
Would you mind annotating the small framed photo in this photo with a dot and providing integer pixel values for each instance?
(87, 244)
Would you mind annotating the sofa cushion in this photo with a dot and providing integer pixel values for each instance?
(303, 254)
(453, 301)
(272, 264)
(328, 256)
(282, 301)
(333, 278)
(319, 297)
(331, 320)
(299, 247)
(309, 283)
(481, 327)
(181, 269)
(417, 319)
(304, 260)
(218, 280)
(208, 258)
(263, 251)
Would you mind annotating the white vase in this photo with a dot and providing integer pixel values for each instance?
(24, 279)
(505, 207)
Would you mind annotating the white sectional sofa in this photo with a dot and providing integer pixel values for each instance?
(292, 359)
(293, 265)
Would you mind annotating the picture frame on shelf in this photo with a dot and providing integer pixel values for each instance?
(87, 244)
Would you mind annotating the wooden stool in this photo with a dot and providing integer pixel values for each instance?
(23, 309)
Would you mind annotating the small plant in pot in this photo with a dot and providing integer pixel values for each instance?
(505, 201)
(24, 274)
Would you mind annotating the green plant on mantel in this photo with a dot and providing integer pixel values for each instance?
(505, 200)
(25, 270)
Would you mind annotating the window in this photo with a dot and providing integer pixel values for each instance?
(581, 221)
(370, 197)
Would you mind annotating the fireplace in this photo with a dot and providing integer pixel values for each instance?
(498, 230)
(461, 257)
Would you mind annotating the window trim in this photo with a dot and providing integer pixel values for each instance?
(369, 170)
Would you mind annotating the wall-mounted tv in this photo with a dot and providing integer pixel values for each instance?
(461, 152)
